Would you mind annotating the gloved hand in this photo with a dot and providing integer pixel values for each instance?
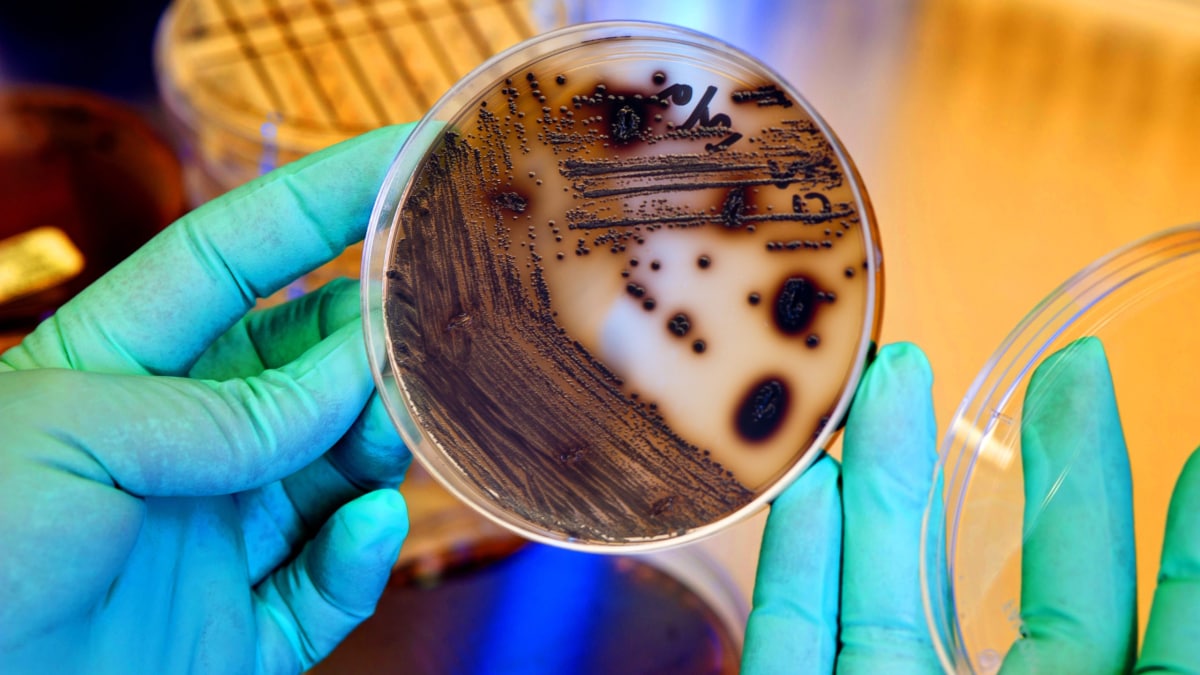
(1079, 569)
(1078, 602)
(838, 583)
(173, 470)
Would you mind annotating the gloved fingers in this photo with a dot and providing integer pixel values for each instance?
(159, 309)
(279, 518)
(370, 456)
(165, 436)
(888, 460)
(1078, 568)
(306, 608)
(278, 335)
(1172, 641)
(794, 620)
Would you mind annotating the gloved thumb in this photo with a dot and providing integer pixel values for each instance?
(306, 608)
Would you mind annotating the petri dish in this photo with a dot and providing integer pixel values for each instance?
(84, 181)
(542, 609)
(619, 287)
(254, 84)
(1139, 302)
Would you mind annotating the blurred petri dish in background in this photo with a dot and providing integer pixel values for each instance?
(255, 84)
(1140, 302)
(84, 182)
(626, 281)
(545, 610)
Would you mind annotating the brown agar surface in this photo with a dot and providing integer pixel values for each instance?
(628, 290)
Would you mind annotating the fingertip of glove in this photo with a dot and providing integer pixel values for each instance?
(1059, 382)
(1083, 360)
(1187, 491)
(387, 139)
(392, 132)
(1180, 557)
(825, 468)
(891, 426)
(899, 377)
(824, 476)
(1191, 469)
(904, 359)
(380, 516)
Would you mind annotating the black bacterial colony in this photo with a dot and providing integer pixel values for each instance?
(624, 298)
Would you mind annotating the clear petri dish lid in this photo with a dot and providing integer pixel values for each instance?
(994, 513)
(619, 286)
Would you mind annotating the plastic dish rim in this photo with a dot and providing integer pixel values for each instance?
(383, 215)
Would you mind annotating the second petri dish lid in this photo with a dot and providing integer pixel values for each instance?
(1139, 303)
(625, 279)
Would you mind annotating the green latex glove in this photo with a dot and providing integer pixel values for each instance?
(1078, 602)
(1172, 640)
(838, 584)
(1079, 570)
(185, 487)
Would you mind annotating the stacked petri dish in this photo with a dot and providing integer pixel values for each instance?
(254, 84)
